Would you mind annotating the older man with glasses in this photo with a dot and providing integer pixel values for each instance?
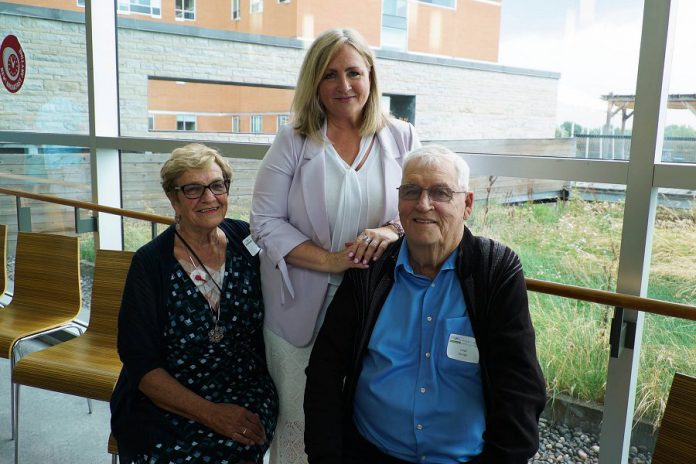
(428, 355)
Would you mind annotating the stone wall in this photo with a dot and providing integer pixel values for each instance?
(455, 99)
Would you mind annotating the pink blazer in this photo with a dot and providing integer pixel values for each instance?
(289, 207)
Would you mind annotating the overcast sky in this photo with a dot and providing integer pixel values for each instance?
(594, 45)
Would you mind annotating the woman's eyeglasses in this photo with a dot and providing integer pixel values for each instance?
(438, 193)
(193, 191)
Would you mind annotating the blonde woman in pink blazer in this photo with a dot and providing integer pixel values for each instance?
(325, 200)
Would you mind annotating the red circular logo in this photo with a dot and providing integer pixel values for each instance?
(13, 66)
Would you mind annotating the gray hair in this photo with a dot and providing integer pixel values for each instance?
(430, 155)
(191, 156)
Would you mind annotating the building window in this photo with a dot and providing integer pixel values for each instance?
(255, 6)
(185, 122)
(394, 24)
(256, 124)
(185, 10)
(282, 120)
(146, 7)
(150, 122)
(447, 3)
(400, 106)
(80, 2)
(236, 11)
(235, 124)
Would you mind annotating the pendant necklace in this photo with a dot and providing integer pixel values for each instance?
(217, 333)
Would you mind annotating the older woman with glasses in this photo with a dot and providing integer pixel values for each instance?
(194, 385)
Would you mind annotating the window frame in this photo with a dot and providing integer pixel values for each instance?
(255, 6)
(256, 123)
(236, 12)
(186, 120)
(181, 12)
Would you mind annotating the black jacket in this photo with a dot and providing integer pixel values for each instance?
(137, 423)
(496, 297)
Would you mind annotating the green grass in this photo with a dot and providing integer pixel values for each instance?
(578, 243)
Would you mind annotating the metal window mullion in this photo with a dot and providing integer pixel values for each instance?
(638, 224)
(102, 77)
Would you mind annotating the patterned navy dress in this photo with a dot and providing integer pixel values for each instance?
(228, 371)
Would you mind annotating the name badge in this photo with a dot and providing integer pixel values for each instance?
(251, 246)
(462, 348)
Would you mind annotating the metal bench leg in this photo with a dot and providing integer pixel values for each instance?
(15, 425)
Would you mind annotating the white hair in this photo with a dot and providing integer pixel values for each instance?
(429, 155)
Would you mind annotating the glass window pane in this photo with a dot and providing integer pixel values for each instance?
(680, 122)
(669, 344)
(48, 170)
(571, 230)
(595, 60)
(44, 70)
(142, 191)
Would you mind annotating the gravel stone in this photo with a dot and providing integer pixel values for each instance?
(560, 443)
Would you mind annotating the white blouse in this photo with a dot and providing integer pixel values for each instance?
(354, 199)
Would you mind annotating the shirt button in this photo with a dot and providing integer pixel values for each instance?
(419, 427)
(432, 285)
(429, 318)
(427, 355)
(422, 389)
(422, 458)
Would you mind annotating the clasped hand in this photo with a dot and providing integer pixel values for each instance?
(370, 244)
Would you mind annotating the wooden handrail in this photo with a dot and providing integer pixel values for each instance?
(91, 206)
(621, 300)
(648, 305)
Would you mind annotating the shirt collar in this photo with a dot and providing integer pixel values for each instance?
(402, 261)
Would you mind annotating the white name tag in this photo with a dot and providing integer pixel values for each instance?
(251, 246)
(462, 348)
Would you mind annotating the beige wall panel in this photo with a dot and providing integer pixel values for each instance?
(214, 123)
(471, 31)
(316, 16)
(218, 98)
(165, 122)
(277, 19)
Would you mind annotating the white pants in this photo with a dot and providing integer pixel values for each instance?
(286, 364)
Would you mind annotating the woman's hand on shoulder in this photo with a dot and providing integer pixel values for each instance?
(370, 244)
(237, 423)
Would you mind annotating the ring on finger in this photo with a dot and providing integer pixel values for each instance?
(244, 432)
(366, 239)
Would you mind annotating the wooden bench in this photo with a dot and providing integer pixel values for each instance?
(676, 441)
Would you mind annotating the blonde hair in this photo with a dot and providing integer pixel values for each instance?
(309, 114)
(191, 156)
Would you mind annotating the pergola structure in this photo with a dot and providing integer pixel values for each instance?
(625, 104)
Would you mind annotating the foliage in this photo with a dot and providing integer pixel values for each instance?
(680, 131)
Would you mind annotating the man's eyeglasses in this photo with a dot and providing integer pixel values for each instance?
(193, 191)
(438, 193)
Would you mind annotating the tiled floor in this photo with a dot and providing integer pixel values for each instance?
(53, 428)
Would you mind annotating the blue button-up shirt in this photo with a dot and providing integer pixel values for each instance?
(419, 396)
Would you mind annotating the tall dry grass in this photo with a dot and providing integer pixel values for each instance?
(578, 242)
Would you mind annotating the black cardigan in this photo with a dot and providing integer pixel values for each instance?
(496, 297)
(137, 423)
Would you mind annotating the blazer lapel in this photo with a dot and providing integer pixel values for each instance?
(313, 185)
(391, 159)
